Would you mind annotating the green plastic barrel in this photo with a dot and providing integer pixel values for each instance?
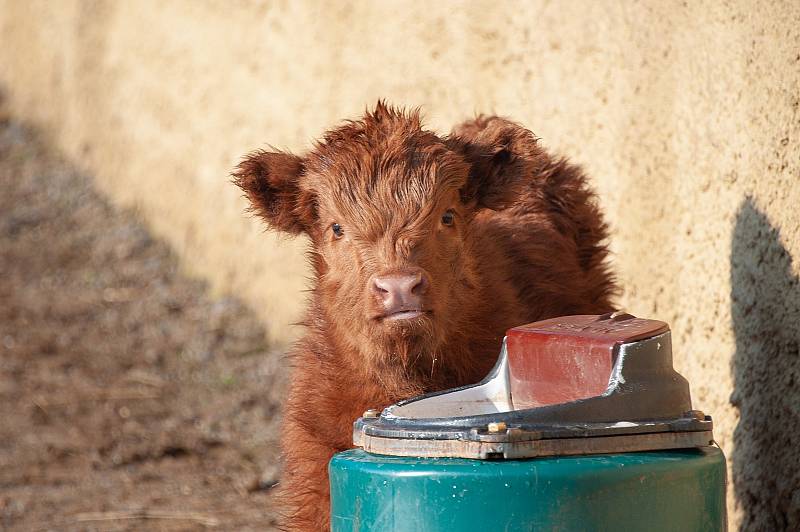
(682, 490)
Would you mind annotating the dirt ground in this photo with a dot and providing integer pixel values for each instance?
(129, 398)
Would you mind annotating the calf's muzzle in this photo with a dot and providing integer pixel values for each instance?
(401, 293)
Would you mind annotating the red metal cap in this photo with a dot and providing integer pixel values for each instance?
(569, 358)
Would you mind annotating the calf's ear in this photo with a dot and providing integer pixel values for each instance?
(271, 181)
(502, 156)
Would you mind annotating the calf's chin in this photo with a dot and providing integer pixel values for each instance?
(502, 233)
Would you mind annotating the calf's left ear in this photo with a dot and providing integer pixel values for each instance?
(271, 181)
(503, 157)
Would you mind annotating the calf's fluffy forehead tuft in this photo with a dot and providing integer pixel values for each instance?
(386, 157)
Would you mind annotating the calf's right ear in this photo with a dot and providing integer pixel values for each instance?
(271, 181)
(503, 156)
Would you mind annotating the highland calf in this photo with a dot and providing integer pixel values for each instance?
(425, 250)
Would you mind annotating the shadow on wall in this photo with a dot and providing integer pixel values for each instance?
(765, 299)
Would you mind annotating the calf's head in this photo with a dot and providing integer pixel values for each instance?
(389, 208)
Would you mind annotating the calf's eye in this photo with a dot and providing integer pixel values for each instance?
(448, 218)
(338, 232)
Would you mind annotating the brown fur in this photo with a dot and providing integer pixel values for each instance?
(527, 244)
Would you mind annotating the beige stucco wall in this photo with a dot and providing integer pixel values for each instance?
(686, 116)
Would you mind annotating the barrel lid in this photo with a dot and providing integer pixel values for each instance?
(571, 385)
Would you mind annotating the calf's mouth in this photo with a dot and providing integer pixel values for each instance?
(404, 314)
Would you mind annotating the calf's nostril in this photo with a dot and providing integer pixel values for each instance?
(420, 286)
(378, 288)
(381, 286)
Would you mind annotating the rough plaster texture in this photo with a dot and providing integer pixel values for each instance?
(687, 115)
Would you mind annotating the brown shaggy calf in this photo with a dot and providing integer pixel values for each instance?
(425, 250)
